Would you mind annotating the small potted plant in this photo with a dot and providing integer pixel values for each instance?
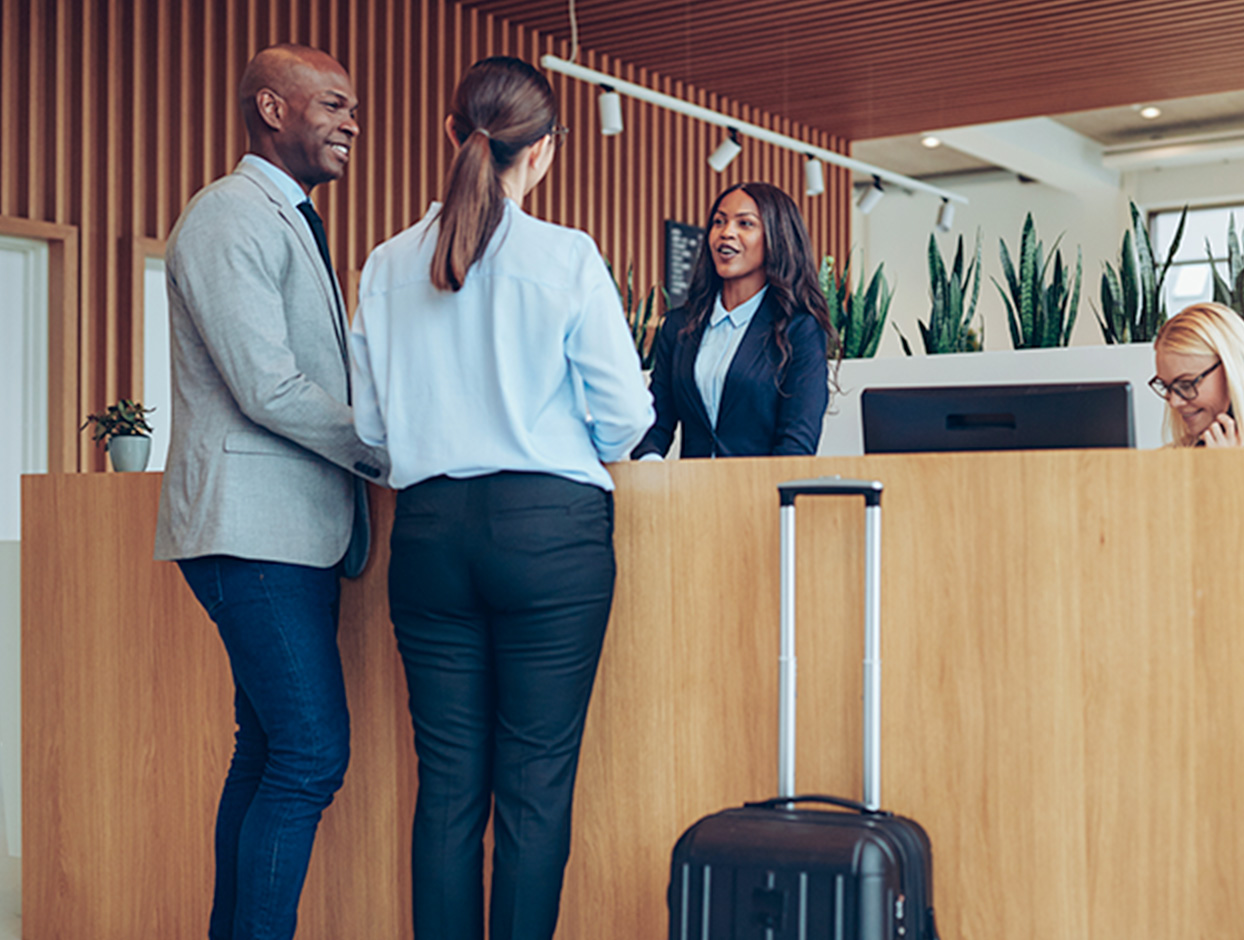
(123, 430)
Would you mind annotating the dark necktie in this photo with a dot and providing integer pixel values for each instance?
(339, 320)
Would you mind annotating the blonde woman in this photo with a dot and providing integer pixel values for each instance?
(1200, 366)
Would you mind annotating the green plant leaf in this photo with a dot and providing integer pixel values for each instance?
(1074, 307)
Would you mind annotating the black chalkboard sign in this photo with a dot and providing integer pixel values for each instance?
(682, 245)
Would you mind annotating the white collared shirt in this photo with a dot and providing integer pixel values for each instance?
(722, 337)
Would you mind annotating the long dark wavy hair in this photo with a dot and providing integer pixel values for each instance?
(789, 269)
(501, 106)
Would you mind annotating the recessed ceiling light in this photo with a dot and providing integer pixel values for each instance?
(930, 141)
(1150, 112)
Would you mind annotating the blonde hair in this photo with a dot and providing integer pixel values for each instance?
(1204, 329)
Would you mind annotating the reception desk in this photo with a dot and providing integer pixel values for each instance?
(1063, 698)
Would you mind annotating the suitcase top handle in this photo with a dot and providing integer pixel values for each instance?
(831, 486)
(779, 802)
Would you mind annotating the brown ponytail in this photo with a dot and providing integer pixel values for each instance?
(501, 106)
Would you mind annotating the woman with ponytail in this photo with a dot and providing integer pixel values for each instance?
(743, 366)
(492, 359)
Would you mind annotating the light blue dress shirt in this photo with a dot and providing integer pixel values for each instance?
(721, 340)
(284, 182)
(529, 367)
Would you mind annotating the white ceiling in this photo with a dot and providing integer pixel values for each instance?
(1218, 118)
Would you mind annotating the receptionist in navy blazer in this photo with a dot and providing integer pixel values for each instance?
(744, 366)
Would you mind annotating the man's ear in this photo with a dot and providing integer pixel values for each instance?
(271, 108)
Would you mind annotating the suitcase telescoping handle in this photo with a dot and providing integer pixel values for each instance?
(833, 486)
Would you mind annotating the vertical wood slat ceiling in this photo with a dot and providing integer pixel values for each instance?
(885, 67)
(113, 113)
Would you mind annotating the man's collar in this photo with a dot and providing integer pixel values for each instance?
(283, 181)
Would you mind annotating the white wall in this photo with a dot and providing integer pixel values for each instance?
(23, 378)
(897, 231)
(157, 382)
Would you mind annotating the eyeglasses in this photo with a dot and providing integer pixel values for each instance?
(1184, 388)
(559, 133)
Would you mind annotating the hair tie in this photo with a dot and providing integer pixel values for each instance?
(484, 131)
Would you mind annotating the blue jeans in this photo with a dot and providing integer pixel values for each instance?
(279, 626)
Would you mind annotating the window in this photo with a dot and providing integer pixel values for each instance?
(1189, 279)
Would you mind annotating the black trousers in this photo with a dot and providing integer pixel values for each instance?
(499, 589)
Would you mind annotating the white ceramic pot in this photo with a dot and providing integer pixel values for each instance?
(129, 453)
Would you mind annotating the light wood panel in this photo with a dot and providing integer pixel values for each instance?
(114, 113)
(1062, 705)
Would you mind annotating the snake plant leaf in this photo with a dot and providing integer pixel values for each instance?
(1148, 279)
(1029, 264)
(1050, 329)
(952, 326)
(1170, 255)
(1222, 293)
(1128, 276)
(937, 270)
(1074, 308)
(1017, 340)
(1114, 323)
(1234, 260)
(854, 314)
(1053, 251)
(1008, 271)
(884, 296)
(851, 338)
(824, 276)
(976, 283)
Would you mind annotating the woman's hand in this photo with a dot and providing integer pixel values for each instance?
(1223, 432)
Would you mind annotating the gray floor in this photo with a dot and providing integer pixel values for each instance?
(10, 897)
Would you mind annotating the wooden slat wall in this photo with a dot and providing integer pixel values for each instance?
(114, 112)
(888, 67)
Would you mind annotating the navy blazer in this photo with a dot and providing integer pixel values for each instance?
(762, 413)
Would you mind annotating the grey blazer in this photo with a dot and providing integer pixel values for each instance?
(263, 451)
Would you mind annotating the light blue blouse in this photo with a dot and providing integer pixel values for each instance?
(529, 367)
(721, 340)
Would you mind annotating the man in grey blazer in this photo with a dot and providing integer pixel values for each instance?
(262, 494)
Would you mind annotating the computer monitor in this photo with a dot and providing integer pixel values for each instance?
(997, 417)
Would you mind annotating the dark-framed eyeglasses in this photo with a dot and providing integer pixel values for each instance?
(1184, 388)
(559, 133)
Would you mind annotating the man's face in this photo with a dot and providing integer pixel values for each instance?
(317, 127)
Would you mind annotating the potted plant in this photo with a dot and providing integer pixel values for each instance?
(1229, 293)
(642, 319)
(949, 329)
(1039, 314)
(1132, 308)
(123, 430)
(859, 317)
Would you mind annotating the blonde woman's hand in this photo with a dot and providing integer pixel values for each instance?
(1223, 432)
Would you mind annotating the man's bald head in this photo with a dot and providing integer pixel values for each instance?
(298, 104)
(283, 69)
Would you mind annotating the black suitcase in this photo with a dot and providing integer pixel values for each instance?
(771, 871)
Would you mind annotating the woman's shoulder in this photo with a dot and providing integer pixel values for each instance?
(403, 257)
(677, 318)
(532, 247)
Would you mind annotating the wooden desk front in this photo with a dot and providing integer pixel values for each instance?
(1063, 698)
